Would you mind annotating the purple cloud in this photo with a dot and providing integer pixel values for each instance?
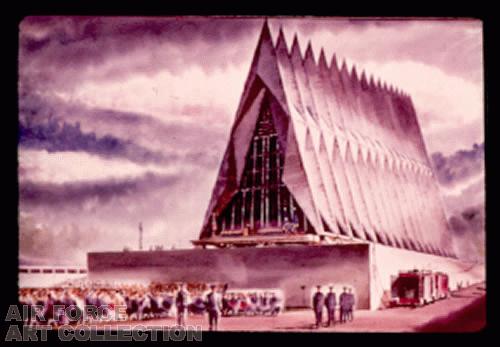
(460, 165)
(76, 193)
(54, 48)
(55, 126)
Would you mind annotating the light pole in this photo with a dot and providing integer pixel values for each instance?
(140, 236)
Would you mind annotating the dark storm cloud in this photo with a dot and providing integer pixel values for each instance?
(54, 125)
(468, 231)
(206, 136)
(75, 193)
(459, 166)
(61, 51)
(65, 31)
(56, 136)
(54, 48)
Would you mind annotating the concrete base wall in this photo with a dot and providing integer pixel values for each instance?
(367, 268)
(294, 269)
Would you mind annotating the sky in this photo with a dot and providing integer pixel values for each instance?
(125, 119)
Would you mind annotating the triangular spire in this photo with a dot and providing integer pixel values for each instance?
(363, 82)
(354, 74)
(344, 77)
(295, 50)
(322, 60)
(344, 67)
(372, 82)
(265, 46)
(335, 73)
(281, 46)
(265, 65)
(309, 55)
(354, 77)
(333, 62)
(265, 34)
(344, 73)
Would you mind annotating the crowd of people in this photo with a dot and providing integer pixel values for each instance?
(136, 302)
(329, 302)
(69, 305)
(252, 303)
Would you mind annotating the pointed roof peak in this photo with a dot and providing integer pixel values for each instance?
(354, 77)
(309, 45)
(363, 81)
(265, 36)
(344, 66)
(322, 59)
(295, 52)
(333, 62)
(295, 39)
(322, 54)
(372, 82)
(281, 41)
(309, 54)
(265, 28)
(345, 77)
(280, 32)
(354, 74)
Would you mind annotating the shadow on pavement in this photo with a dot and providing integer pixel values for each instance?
(471, 318)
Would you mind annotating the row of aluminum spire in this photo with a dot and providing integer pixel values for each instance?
(371, 110)
(355, 156)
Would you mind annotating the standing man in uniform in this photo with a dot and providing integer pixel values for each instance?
(318, 301)
(330, 303)
(351, 302)
(181, 302)
(343, 305)
(213, 305)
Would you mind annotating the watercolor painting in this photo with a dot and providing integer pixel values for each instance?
(319, 174)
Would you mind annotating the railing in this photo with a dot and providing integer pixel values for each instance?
(52, 269)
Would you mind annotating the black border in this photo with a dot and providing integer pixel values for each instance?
(10, 22)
